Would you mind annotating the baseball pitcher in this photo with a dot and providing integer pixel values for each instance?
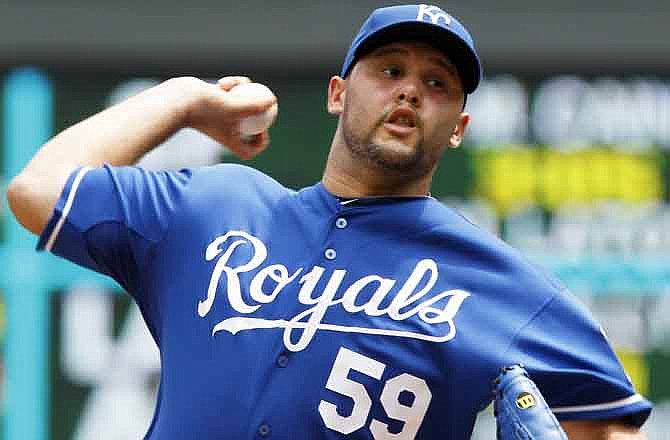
(359, 307)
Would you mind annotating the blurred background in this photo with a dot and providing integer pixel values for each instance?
(567, 159)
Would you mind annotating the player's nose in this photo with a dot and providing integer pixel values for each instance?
(409, 92)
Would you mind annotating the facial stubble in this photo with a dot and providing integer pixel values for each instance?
(363, 147)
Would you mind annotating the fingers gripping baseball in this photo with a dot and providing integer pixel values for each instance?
(521, 411)
(235, 112)
(254, 125)
(228, 82)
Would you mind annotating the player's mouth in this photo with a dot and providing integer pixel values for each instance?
(401, 122)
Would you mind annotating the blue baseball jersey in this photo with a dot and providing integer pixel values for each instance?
(294, 314)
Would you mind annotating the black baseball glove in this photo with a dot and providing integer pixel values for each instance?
(521, 411)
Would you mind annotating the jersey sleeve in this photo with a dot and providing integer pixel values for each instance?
(108, 219)
(568, 356)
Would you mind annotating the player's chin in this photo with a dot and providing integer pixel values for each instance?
(398, 157)
(400, 147)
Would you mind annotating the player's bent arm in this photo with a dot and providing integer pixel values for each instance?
(121, 134)
(601, 430)
(118, 136)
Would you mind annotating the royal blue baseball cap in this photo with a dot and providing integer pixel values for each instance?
(424, 23)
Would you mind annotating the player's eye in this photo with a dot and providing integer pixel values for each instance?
(392, 71)
(436, 83)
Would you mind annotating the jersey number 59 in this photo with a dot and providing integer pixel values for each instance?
(411, 415)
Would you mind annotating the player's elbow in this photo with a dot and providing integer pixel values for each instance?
(23, 201)
(14, 191)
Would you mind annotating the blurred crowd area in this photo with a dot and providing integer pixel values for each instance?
(574, 171)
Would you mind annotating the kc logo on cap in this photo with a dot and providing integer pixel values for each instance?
(433, 14)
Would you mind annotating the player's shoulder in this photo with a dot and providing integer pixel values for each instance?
(493, 251)
(236, 179)
(234, 171)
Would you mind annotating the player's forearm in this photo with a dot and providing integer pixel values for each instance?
(601, 430)
(119, 135)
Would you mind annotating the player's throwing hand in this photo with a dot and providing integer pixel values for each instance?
(216, 111)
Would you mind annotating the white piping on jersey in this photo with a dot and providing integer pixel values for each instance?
(66, 208)
(346, 202)
(600, 406)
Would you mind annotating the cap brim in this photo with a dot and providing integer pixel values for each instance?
(459, 53)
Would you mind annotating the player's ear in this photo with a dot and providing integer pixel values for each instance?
(459, 130)
(336, 93)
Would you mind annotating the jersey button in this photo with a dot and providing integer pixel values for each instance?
(282, 361)
(341, 223)
(330, 254)
(264, 430)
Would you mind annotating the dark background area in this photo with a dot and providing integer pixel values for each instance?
(300, 39)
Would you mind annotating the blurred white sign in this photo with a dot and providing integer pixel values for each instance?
(121, 371)
(571, 112)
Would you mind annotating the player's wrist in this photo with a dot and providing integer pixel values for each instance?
(186, 95)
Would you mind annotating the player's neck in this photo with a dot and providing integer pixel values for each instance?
(346, 176)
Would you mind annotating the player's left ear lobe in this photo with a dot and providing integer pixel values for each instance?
(336, 94)
(459, 131)
(455, 139)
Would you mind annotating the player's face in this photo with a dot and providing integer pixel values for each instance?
(401, 107)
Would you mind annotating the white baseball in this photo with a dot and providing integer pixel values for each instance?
(253, 125)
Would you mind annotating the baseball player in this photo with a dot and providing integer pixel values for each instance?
(359, 307)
